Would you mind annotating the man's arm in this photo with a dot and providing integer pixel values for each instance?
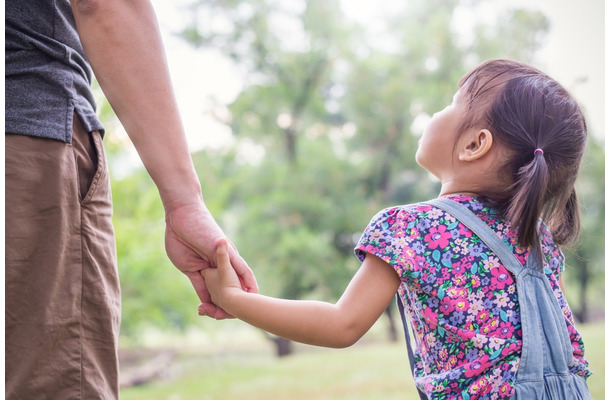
(123, 44)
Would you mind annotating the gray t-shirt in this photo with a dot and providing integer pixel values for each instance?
(47, 76)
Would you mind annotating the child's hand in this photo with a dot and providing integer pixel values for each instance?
(221, 281)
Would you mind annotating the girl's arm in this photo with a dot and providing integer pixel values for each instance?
(307, 321)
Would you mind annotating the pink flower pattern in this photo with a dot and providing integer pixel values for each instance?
(461, 301)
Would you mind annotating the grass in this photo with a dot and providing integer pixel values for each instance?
(595, 352)
(365, 371)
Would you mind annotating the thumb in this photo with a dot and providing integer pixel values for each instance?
(222, 255)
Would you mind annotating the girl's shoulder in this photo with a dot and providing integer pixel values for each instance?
(391, 216)
(423, 210)
(424, 220)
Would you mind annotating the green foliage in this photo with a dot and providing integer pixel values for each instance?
(297, 222)
(154, 292)
(585, 261)
(517, 34)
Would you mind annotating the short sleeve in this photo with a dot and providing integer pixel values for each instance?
(386, 237)
(377, 237)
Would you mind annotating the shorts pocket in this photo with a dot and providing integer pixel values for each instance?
(100, 170)
(90, 160)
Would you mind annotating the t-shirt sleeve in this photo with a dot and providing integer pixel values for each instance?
(382, 237)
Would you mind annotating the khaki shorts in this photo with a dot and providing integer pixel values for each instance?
(62, 309)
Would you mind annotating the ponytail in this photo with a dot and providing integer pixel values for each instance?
(527, 203)
(566, 225)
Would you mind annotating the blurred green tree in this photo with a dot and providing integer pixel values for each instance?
(585, 264)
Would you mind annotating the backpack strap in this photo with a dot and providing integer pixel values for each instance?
(401, 310)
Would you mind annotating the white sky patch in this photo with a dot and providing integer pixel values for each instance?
(249, 152)
(431, 64)
(204, 81)
(419, 124)
(291, 33)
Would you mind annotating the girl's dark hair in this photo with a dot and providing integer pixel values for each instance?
(525, 110)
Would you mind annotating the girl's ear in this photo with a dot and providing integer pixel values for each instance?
(475, 145)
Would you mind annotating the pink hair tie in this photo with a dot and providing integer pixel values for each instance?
(538, 151)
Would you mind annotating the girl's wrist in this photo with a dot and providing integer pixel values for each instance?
(232, 299)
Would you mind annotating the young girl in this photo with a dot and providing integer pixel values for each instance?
(508, 148)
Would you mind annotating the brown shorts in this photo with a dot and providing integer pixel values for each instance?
(62, 309)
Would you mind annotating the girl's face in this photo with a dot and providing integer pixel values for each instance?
(436, 146)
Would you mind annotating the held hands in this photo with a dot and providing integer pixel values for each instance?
(221, 281)
(191, 236)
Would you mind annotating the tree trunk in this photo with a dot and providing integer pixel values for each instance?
(291, 145)
(308, 87)
(283, 346)
(150, 371)
(582, 315)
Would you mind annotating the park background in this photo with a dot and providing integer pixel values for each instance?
(303, 119)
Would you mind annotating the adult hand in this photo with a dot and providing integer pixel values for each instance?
(191, 237)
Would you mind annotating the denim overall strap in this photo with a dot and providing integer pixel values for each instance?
(546, 351)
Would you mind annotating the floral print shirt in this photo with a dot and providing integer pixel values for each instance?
(461, 301)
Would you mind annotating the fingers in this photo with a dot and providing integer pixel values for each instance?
(246, 276)
(207, 307)
(233, 269)
(222, 255)
(224, 278)
(199, 285)
(210, 310)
